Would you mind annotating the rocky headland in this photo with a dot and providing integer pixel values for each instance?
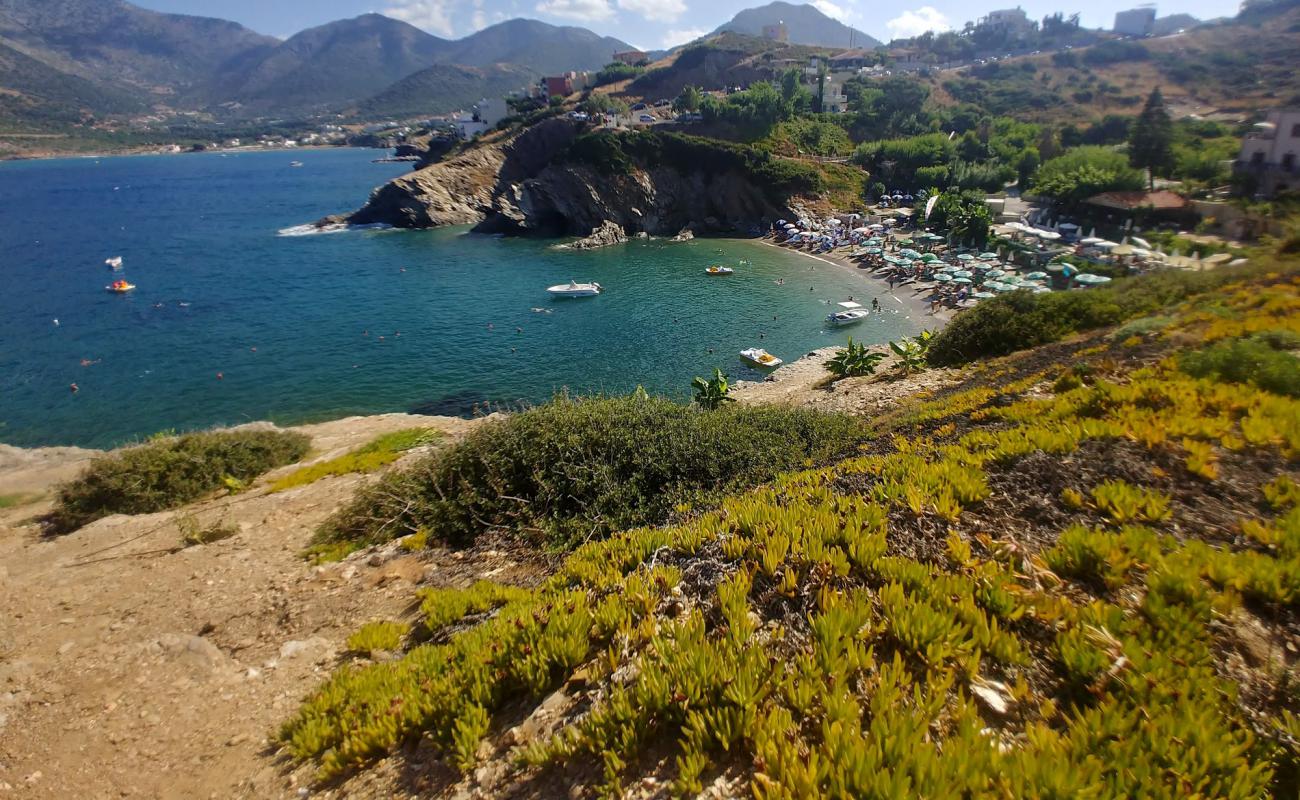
(532, 183)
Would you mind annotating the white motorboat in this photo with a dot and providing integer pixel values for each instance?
(574, 289)
(849, 313)
(114, 263)
(760, 357)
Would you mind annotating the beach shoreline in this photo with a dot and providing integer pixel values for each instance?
(913, 306)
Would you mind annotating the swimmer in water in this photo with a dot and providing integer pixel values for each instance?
(157, 305)
(74, 387)
(221, 376)
(518, 329)
(491, 327)
(56, 323)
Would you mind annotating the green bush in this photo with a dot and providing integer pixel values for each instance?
(1255, 360)
(169, 473)
(1021, 320)
(577, 469)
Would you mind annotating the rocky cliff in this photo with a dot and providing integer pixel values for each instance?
(523, 185)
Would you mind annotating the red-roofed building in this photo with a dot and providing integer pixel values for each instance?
(1160, 203)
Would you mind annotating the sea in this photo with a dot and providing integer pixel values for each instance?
(240, 314)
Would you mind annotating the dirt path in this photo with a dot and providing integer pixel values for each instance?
(132, 668)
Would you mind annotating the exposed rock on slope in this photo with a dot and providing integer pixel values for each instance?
(524, 186)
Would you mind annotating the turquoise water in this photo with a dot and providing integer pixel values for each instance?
(233, 322)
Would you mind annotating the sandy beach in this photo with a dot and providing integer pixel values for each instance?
(907, 300)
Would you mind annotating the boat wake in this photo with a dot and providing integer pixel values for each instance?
(339, 227)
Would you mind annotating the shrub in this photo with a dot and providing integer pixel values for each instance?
(714, 392)
(169, 473)
(578, 469)
(1085, 171)
(1251, 360)
(372, 636)
(1020, 320)
(380, 452)
(854, 361)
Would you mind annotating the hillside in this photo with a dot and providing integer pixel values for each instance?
(325, 66)
(443, 88)
(717, 61)
(39, 95)
(115, 43)
(533, 45)
(806, 25)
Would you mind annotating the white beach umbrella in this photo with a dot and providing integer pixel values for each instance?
(1140, 242)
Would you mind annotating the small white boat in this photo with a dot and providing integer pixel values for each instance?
(114, 263)
(719, 270)
(574, 289)
(760, 357)
(295, 163)
(849, 314)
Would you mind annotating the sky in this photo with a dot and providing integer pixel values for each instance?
(651, 24)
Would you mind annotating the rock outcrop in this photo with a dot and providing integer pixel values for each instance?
(607, 234)
(522, 185)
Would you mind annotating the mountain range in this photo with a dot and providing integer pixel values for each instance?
(804, 24)
(65, 60)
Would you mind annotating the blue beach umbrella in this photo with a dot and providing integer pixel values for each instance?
(943, 277)
(962, 280)
(983, 295)
(965, 257)
(1088, 279)
(1036, 276)
(963, 273)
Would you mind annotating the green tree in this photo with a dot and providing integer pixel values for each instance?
(689, 100)
(1151, 138)
(1082, 172)
(603, 104)
(965, 215)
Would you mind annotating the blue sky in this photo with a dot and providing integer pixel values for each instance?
(649, 24)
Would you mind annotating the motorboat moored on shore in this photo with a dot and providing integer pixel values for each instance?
(717, 269)
(575, 289)
(760, 358)
(850, 313)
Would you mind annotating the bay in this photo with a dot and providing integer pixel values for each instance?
(233, 321)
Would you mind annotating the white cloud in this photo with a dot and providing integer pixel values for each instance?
(830, 9)
(432, 15)
(580, 10)
(915, 23)
(682, 36)
(657, 10)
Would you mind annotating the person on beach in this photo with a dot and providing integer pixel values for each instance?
(875, 304)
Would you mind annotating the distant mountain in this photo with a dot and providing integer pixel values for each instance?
(38, 94)
(324, 66)
(535, 45)
(805, 24)
(115, 43)
(445, 87)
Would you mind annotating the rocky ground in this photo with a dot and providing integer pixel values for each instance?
(133, 667)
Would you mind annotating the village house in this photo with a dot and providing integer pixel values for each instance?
(1269, 154)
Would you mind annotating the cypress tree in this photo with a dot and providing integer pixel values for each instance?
(1151, 138)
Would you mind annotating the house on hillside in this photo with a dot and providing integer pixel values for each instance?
(1269, 154)
(632, 58)
(851, 60)
(1135, 22)
(566, 84)
(834, 101)
(491, 110)
(1014, 21)
(903, 59)
(1160, 205)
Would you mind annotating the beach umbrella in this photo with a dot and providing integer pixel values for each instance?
(995, 273)
(942, 277)
(1052, 235)
(929, 258)
(909, 252)
(1106, 245)
(1219, 258)
(862, 230)
(1002, 287)
(1088, 279)
(962, 280)
(1091, 240)
(983, 295)
(1123, 250)
(965, 257)
(1237, 262)
(1041, 289)
(1036, 276)
(988, 256)
(873, 251)
(1140, 242)
(963, 273)
(890, 222)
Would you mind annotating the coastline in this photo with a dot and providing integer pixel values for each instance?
(155, 152)
(910, 302)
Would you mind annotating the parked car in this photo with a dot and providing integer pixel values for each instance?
(580, 116)
(639, 107)
(647, 118)
(662, 103)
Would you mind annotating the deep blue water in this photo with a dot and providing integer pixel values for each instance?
(199, 236)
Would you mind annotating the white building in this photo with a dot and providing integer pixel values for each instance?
(1136, 21)
(834, 101)
(1271, 154)
(1012, 20)
(491, 110)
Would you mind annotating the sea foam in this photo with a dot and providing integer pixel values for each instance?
(337, 227)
